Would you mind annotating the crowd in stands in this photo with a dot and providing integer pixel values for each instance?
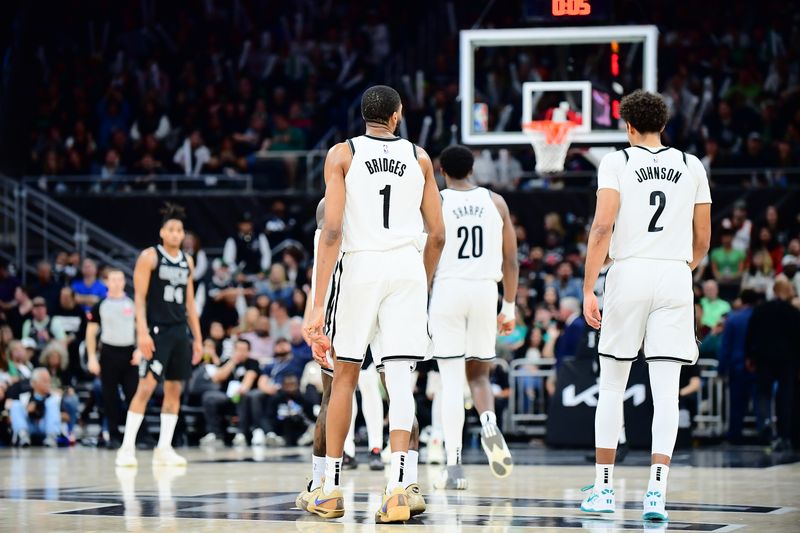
(257, 382)
(202, 87)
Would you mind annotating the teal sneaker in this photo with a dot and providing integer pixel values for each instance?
(654, 506)
(598, 500)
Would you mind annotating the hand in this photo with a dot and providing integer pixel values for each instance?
(320, 348)
(136, 358)
(590, 310)
(504, 327)
(197, 352)
(146, 345)
(94, 366)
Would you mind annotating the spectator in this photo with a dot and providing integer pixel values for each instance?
(235, 378)
(714, 308)
(279, 320)
(19, 360)
(8, 287)
(300, 349)
(286, 413)
(573, 328)
(791, 269)
(766, 243)
(687, 404)
(191, 247)
(760, 275)
(88, 290)
(262, 345)
(192, 155)
(42, 328)
(247, 252)
(279, 225)
(220, 305)
(276, 286)
(20, 312)
(773, 336)
(566, 284)
(223, 345)
(73, 320)
(108, 172)
(263, 402)
(727, 264)
(55, 360)
(732, 357)
(37, 412)
(64, 269)
(45, 285)
(150, 122)
(742, 227)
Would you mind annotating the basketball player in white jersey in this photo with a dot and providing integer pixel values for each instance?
(653, 218)
(380, 193)
(373, 414)
(480, 250)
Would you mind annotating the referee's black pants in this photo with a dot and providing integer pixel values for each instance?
(116, 370)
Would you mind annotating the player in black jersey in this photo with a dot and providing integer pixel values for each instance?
(164, 297)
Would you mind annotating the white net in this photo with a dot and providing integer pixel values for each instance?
(550, 148)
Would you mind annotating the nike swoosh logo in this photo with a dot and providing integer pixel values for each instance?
(320, 502)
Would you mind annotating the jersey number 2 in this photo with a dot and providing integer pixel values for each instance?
(386, 192)
(660, 199)
(477, 241)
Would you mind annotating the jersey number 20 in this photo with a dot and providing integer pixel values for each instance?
(477, 241)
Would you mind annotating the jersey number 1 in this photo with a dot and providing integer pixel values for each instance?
(386, 192)
(660, 199)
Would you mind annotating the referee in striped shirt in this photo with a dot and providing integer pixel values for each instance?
(114, 317)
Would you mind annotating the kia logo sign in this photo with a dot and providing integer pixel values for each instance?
(589, 396)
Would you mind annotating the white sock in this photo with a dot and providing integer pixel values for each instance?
(452, 403)
(349, 440)
(397, 472)
(603, 476)
(333, 472)
(168, 423)
(132, 424)
(488, 417)
(658, 478)
(317, 471)
(411, 468)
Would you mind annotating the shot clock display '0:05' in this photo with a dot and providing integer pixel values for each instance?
(571, 8)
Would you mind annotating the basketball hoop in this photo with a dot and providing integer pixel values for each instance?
(550, 141)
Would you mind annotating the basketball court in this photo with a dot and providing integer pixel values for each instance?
(78, 489)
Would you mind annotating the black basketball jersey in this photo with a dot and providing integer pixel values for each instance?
(166, 297)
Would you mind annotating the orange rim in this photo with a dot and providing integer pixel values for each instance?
(554, 132)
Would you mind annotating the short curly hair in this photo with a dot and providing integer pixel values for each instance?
(645, 111)
(456, 161)
(172, 211)
(378, 103)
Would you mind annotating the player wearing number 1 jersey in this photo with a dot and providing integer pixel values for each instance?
(164, 299)
(380, 192)
(653, 218)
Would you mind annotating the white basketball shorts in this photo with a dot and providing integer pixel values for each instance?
(463, 318)
(650, 301)
(384, 291)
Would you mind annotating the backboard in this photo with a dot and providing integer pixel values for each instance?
(512, 76)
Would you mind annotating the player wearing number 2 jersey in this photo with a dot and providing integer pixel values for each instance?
(164, 297)
(653, 219)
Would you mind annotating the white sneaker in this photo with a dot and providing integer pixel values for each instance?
(258, 437)
(167, 457)
(126, 458)
(599, 500)
(209, 439)
(435, 451)
(496, 450)
(654, 506)
(239, 440)
(274, 440)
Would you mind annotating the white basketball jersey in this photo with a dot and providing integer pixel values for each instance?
(658, 190)
(473, 246)
(383, 190)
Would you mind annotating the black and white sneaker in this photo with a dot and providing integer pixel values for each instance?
(349, 463)
(375, 461)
